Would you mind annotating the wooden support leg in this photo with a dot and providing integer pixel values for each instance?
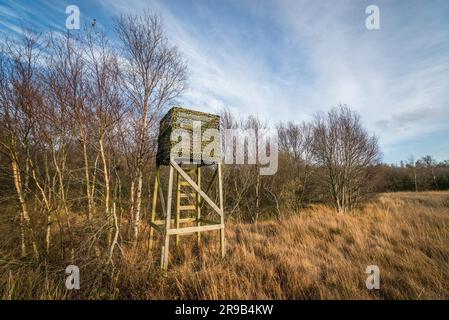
(198, 202)
(165, 248)
(220, 191)
(178, 204)
(154, 204)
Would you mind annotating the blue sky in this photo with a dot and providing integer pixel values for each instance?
(288, 59)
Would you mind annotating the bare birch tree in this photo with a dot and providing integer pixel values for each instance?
(154, 74)
(19, 95)
(105, 103)
(411, 164)
(430, 164)
(345, 150)
(296, 140)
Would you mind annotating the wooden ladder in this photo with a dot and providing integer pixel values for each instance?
(189, 198)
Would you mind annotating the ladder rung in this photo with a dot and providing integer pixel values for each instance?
(187, 230)
(187, 195)
(172, 220)
(190, 207)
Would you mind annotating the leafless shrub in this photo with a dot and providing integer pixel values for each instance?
(346, 152)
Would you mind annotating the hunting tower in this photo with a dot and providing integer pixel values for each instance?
(192, 126)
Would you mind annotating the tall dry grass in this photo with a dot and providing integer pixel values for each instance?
(314, 254)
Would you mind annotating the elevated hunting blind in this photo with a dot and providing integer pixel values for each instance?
(190, 198)
(187, 121)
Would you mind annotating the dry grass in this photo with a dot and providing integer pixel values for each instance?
(315, 254)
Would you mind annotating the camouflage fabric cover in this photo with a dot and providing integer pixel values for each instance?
(181, 118)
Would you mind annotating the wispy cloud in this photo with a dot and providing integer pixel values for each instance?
(287, 59)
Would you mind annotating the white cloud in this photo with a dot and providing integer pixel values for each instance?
(396, 78)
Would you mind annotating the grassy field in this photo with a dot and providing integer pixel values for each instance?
(314, 254)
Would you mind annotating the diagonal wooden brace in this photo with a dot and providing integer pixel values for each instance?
(196, 187)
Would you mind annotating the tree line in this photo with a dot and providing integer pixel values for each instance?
(331, 160)
(423, 174)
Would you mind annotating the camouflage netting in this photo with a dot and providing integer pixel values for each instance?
(180, 118)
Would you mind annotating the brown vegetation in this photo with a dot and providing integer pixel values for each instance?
(315, 254)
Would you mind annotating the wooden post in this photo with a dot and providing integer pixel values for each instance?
(178, 204)
(165, 248)
(198, 202)
(153, 208)
(220, 191)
